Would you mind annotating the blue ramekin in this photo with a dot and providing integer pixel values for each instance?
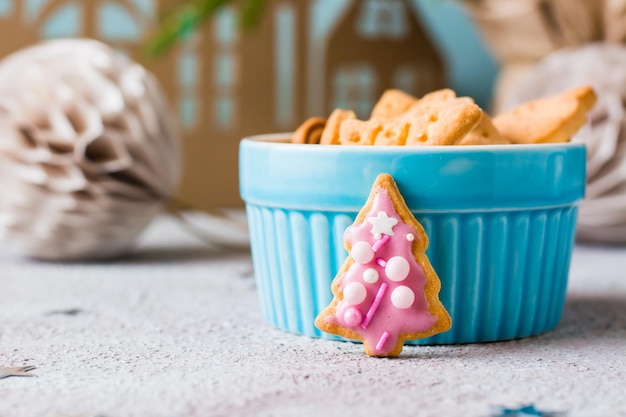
(501, 222)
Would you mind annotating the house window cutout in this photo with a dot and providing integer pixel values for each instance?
(225, 69)
(225, 83)
(146, 8)
(188, 77)
(65, 22)
(285, 47)
(405, 78)
(225, 111)
(6, 8)
(425, 75)
(188, 69)
(33, 7)
(354, 88)
(188, 111)
(383, 19)
(115, 23)
(226, 27)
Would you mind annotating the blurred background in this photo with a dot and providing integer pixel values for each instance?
(225, 83)
(229, 69)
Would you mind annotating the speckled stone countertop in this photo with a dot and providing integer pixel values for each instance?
(176, 330)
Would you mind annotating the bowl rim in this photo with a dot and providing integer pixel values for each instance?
(449, 178)
(283, 139)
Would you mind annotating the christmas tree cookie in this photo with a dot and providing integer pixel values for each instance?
(386, 291)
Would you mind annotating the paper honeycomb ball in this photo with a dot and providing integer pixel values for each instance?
(88, 150)
(602, 215)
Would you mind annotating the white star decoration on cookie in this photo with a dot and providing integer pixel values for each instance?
(382, 223)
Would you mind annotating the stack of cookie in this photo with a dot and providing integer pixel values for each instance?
(442, 118)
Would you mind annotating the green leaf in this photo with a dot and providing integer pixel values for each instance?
(251, 12)
(189, 16)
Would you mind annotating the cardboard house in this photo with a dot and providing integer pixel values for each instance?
(304, 57)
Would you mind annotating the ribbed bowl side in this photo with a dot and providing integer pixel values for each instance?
(296, 256)
(503, 274)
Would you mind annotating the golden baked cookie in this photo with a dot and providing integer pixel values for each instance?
(438, 96)
(359, 132)
(442, 123)
(393, 132)
(552, 119)
(330, 135)
(309, 132)
(437, 123)
(485, 133)
(386, 291)
(391, 104)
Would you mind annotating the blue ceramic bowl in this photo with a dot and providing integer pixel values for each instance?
(501, 222)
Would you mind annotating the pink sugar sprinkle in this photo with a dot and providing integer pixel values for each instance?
(381, 262)
(375, 304)
(382, 341)
(380, 242)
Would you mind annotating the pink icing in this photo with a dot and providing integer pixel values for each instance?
(377, 300)
(381, 342)
(380, 242)
(384, 322)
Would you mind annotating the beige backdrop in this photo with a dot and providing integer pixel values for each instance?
(226, 84)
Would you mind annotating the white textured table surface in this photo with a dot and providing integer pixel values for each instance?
(176, 330)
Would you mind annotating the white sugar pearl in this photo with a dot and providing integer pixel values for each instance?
(370, 275)
(402, 297)
(354, 293)
(397, 268)
(362, 252)
(410, 237)
(353, 317)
